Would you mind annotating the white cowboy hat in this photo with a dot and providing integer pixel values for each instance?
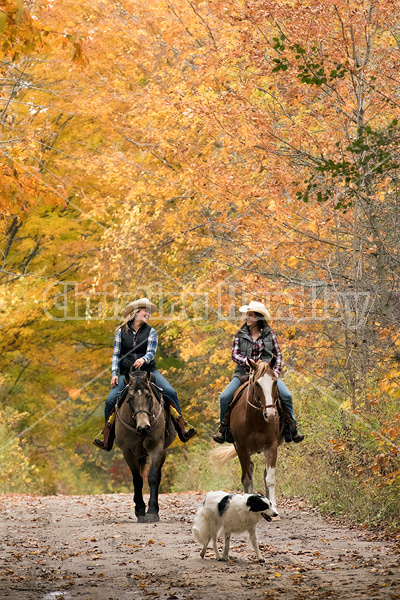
(141, 303)
(257, 307)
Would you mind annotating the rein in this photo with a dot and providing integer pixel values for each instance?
(134, 413)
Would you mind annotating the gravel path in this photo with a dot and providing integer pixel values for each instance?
(92, 548)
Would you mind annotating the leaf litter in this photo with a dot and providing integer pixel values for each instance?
(75, 553)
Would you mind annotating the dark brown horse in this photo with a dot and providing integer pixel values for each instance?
(143, 431)
(255, 427)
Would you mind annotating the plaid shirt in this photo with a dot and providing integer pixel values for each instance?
(256, 352)
(152, 344)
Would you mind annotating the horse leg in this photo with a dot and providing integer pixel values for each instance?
(136, 468)
(247, 469)
(269, 473)
(154, 480)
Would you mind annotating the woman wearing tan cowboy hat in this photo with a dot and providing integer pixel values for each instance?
(135, 346)
(256, 340)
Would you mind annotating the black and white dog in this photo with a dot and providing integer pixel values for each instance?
(234, 513)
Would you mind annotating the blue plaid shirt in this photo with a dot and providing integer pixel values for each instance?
(152, 344)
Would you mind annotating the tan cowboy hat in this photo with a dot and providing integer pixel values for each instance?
(257, 307)
(141, 303)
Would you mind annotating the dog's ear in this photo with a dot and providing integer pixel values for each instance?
(258, 503)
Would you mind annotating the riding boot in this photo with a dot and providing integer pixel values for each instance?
(287, 434)
(290, 431)
(108, 433)
(221, 436)
(224, 433)
(180, 426)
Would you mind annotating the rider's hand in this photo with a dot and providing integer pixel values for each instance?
(138, 363)
(114, 381)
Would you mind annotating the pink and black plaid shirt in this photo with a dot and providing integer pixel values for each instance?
(256, 352)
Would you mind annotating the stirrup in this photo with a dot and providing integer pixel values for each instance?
(99, 443)
(187, 434)
(219, 437)
(107, 442)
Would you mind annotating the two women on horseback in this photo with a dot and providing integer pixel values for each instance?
(135, 346)
(255, 340)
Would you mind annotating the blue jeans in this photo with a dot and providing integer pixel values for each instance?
(112, 397)
(227, 395)
(167, 388)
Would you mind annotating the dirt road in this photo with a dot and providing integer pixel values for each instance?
(92, 548)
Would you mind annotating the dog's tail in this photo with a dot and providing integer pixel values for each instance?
(201, 530)
(220, 456)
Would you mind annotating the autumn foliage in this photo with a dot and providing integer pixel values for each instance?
(202, 154)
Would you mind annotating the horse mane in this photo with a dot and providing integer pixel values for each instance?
(262, 369)
(137, 381)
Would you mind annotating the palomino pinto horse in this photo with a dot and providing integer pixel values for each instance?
(255, 427)
(143, 431)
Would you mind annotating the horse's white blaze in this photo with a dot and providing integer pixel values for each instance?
(266, 382)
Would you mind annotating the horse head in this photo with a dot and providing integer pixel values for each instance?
(140, 400)
(265, 388)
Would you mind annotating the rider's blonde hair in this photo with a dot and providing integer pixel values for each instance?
(128, 318)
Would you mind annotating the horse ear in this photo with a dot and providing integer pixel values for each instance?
(272, 362)
(252, 364)
(148, 376)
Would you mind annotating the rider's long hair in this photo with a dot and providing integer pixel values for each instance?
(261, 321)
(128, 318)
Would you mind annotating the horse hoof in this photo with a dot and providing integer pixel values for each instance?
(141, 518)
(152, 518)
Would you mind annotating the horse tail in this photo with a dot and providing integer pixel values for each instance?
(220, 456)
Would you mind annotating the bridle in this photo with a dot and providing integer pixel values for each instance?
(252, 395)
(152, 417)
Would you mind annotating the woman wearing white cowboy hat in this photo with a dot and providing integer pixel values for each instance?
(135, 346)
(256, 340)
